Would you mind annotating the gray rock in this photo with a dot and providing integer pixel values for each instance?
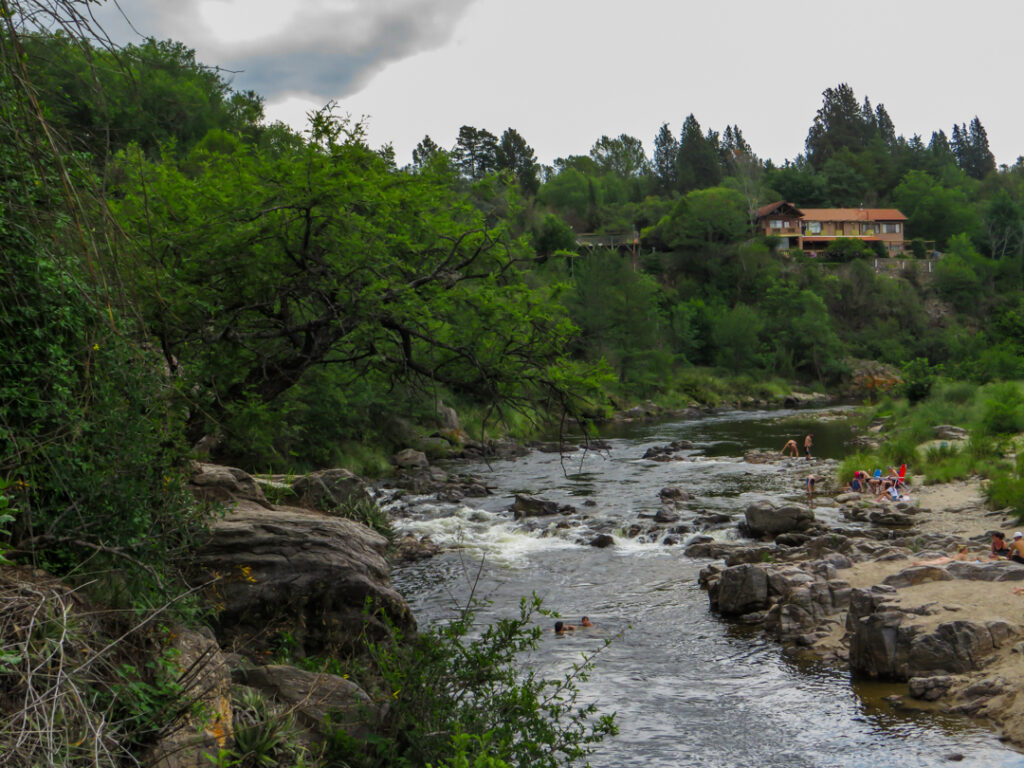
(530, 506)
(763, 518)
(295, 571)
(929, 688)
(917, 574)
(742, 589)
(207, 678)
(410, 459)
(602, 540)
(329, 489)
(225, 484)
(671, 493)
(664, 515)
(993, 570)
(949, 432)
(312, 696)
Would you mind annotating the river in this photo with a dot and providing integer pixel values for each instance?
(689, 688)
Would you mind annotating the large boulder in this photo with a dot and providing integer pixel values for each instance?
(295, 572)
(213, 482)
(410, 458)
(531, 506)
(889, 643)
(312, 696)
(329, 489)
(205, 727)
(763, 518)
(740, 589)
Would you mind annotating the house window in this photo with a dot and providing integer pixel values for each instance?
(814, 227)
(867, 229)
(777, 223)
(889, 228)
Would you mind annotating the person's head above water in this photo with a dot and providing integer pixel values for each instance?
(586, 622)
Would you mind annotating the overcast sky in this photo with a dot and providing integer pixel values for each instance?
(564, 72)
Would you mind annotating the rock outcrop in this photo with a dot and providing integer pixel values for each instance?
(765, 519)
(295, 571)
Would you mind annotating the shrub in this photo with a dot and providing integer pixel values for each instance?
(1002, 410)
(452, 680)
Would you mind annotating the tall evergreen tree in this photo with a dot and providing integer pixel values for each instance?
(666, 148)
(883, 123)
(840, 122)
(424, 152)
(475, 152)
(697, 163)
(516, 156)
(979, 161)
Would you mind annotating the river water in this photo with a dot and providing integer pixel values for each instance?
(689, 688)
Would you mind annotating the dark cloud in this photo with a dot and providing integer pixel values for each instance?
(325, 48)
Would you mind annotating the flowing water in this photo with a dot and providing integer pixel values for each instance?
(690, 689)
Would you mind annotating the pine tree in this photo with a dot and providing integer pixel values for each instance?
(980, 161)
(666, 148)
(697, 162)
(886, 130)
(517, 157)
(475, 152)
(840, 123)
(424, 152)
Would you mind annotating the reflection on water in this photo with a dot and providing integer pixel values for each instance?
(689, 689)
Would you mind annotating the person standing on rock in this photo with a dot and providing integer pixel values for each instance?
(808, 441)
(791, 446)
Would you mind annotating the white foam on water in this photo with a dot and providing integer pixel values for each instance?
(493, 534)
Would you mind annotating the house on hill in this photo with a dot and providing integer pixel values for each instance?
(812, 229)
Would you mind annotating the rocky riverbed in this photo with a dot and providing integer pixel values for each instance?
(888, 601)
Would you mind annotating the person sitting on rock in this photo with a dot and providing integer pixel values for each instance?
(889, 489)
(999, 546)
(859, 483)
(792, 447)
(1017, 548)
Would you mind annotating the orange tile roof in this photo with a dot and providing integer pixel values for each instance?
(852, 214)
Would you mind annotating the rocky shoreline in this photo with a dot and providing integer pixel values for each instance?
(887, 601)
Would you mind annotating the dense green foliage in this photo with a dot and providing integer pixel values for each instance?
(455, 681)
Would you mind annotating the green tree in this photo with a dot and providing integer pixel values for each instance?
(624, 156)
(706, 218)
(516, 156)
(735, 334)
(666, 147)
(476, 152)
(259, 268)
(618, 312)
(425, 152)
(934, 212)
(697, 165)
(840, 123)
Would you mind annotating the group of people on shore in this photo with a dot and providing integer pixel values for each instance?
(891, 486)
(1000, 550)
